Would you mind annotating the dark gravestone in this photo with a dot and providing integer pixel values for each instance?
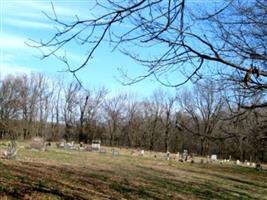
(258, 166)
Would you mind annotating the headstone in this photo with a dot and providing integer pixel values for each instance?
(81, 147)
(208, 159)
(185, 155)
(214, 157)
(88, 148)
(238, 162)
(37, 143)
(168, 155)
(71, 145)
(103, 151)
(96, 145)
(115, 152)
(142, 153)
(258, 166)
(61, 144)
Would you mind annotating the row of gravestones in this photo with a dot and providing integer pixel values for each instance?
(81, 146)
(71, 145)
(38, 143)
(185, 157)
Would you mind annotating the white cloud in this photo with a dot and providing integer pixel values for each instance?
(32, 9)
(7, 68)
(12, 42)
(27, 23)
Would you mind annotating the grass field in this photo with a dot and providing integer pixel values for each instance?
(66, 174)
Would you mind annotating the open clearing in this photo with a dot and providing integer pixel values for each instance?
(66, 174)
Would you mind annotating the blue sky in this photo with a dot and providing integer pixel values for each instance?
(24, 20)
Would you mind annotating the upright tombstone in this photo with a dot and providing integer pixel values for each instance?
(214, 157)
(258, 166)
(208, 160)
(230, 158)
(96, 145)
(115, 152)
(103, 151)
(61, 144)
(88, 148)
(185, 155)
(81, 147)
(178, 156)
(71, 145)
(38, 143)
(167, 155)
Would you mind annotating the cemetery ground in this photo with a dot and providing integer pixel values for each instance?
(71, 174)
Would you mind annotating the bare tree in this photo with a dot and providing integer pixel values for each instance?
(244, 128)
(56, 108)
(9, 103)
(70, 109)
(154, 111)
(192, 36)
(113, 108)
(207, 120)
(204, 108)
(169, 107)
(89, 109)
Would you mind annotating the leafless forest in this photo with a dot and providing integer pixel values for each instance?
(203, 120)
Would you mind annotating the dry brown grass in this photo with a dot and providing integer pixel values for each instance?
(66, 174)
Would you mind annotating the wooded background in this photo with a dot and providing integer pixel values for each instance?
(203, 120)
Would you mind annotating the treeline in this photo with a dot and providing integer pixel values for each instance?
(203, 120)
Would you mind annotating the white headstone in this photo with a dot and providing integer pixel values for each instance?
(214, 157)
(238, 162)
(96, 145)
